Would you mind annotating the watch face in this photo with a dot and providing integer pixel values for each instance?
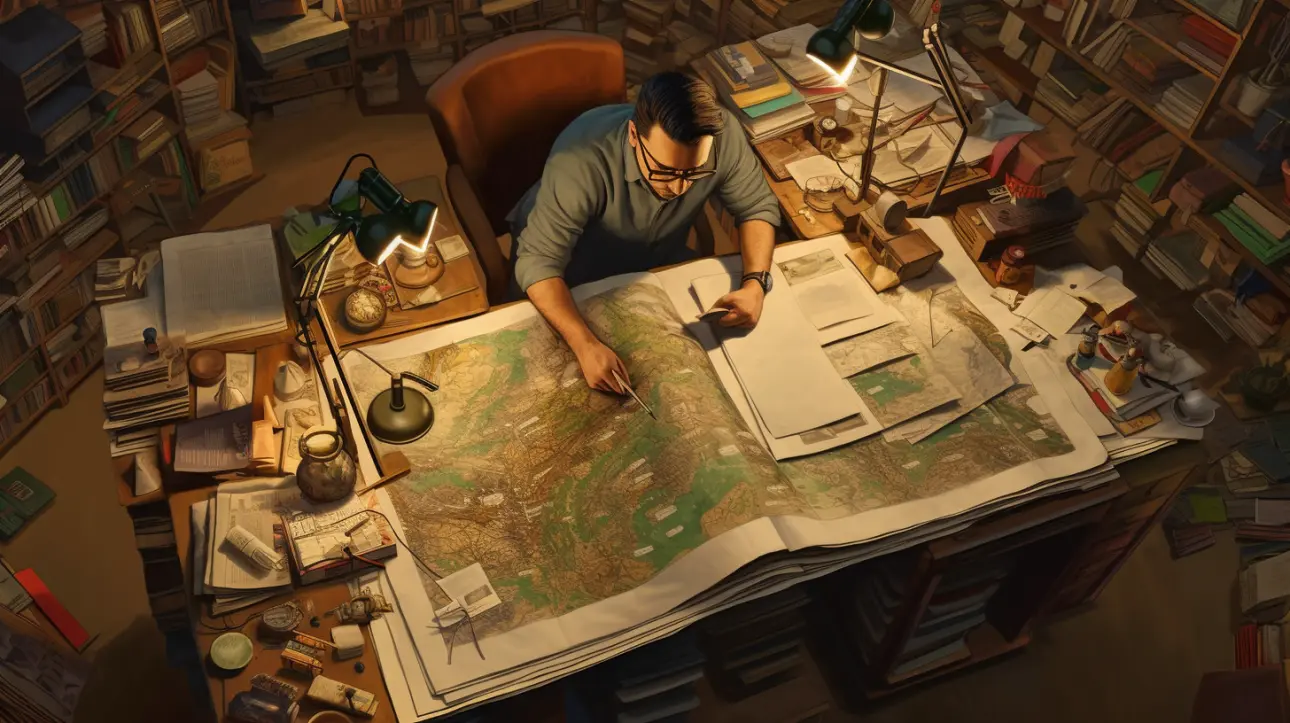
(829, 124)
(767, 281)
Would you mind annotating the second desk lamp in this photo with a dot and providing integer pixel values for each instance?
(835, 47)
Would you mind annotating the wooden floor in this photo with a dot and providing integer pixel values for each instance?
(1135, 657)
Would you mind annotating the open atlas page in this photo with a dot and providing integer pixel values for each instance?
(601, 528)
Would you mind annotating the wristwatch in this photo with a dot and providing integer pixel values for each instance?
(763, 279)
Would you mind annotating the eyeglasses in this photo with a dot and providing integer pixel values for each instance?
(656, 171)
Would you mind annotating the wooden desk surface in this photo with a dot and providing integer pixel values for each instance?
(324, 597)
(401, 321)
(808, 223)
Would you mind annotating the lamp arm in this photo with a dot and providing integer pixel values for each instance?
(912, 74)
(421, 380)
(341, 177)
(941, 63)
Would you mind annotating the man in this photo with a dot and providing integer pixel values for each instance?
(619, 193)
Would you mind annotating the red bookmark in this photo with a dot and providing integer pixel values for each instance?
(54, 610)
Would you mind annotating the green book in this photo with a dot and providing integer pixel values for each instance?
(21, 490)
(10, 520)
(1148, 182)
(64, 209)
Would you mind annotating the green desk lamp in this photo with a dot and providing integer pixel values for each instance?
(834, 48)
(399, 415)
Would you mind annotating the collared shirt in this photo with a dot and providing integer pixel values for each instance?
(593, 214)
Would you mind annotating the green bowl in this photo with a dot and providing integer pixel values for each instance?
(232, 651)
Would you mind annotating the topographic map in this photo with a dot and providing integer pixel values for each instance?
(567, 496)
(564, 494)
(1008, 430)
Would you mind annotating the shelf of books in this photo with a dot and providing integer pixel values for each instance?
(115, 119)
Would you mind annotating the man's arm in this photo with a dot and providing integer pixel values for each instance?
(552, 298)
(568, 197)
(748, 197)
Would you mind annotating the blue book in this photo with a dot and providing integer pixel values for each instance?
(774, 104)
(32, 36)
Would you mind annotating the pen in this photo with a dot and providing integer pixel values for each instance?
(623, 383)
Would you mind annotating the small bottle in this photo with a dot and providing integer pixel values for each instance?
(150, 340)
(1119, 380)
(1087, 348)
(1009, 271)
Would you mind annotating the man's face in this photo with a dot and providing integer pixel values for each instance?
(662, 160)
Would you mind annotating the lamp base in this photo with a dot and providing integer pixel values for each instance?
(400, 426)
(417, 277)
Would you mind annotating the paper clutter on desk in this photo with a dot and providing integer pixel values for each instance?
(879, 277)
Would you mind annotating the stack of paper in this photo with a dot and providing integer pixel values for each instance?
(222, 286)
(142, 389)
(199, 99)
(279, 43)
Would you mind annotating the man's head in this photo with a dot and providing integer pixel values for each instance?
(672, 132)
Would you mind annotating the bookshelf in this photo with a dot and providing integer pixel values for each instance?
(1218, 118)
(127, 157)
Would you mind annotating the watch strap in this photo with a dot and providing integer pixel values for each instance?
(761, 277)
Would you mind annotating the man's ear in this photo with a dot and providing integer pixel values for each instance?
(632, 133)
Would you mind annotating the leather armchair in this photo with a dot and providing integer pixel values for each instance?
(497, 113)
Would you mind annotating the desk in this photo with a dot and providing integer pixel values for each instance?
(324, 597)
(398, 320)
(816, 224)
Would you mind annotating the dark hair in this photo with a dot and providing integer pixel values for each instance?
(685, 106)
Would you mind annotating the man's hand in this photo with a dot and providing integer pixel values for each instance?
(598, 364)
(744, 304)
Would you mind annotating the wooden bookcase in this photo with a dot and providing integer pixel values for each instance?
(40, 379)
(1217, 120)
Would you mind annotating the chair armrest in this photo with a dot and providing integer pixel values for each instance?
(477, 229)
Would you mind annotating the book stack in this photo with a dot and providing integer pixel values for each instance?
(131, 27)
(1106, 49)
(755, 647)
(657, 682)
(1120, 131)
(381, 82)
(93, 26)
(177, 28)
(199, 99)
(15, 197)
(1071, 94)
(1149, 68)
(643, 38)
(753, 88)
(686, 42)
(373, 32)
(1182, 101)
(1204, 190)
(1205, 42)
(205, 17)
(1136, 217)
(1177, 257)
(280, 44)
(985, 229)
(142, 138)
(81, 231)
(1249, 319)
(1080, 18)
(1256, 228)
(113, 278)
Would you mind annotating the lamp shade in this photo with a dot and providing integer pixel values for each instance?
(831, 46)
(410, 224)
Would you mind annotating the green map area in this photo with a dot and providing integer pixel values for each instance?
(568, 496)
(564, 494)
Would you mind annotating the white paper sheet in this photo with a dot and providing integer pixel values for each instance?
(1052, 310)
(223, 286)
(781, 363)
(805, 169)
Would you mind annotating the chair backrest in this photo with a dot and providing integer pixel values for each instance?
(498, 111)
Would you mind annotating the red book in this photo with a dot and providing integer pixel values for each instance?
(54, 610)
(1209, 35)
